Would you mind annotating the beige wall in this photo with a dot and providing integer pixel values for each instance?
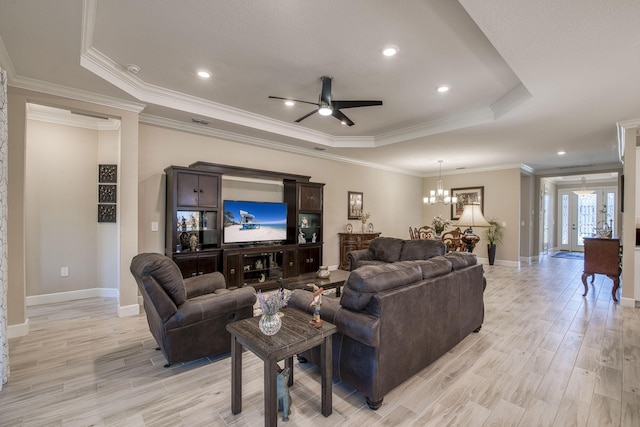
(501, 201)
(127, 240)
(393, 199)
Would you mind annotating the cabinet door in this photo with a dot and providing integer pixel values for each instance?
(207, 263)
(233, 270)
(309, 259)
(188, 189)
(188, 265)
(290, 263)
(310, 198)
(208, 191)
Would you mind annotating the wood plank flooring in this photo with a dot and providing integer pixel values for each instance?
(545, 356)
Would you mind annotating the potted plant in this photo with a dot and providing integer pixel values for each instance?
(493, 235)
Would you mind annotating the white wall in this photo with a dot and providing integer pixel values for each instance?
(61, 209)
(394, 200)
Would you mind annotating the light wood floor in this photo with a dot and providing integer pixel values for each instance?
(545, 356)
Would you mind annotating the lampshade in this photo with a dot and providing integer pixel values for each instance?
(472, 217)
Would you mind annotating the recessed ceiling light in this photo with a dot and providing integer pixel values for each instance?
(390, 50)
(442, 88)
(204, 74)
(343, 122)
(561, 153)
(289, 103)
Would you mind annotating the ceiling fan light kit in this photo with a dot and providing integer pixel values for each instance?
(327, 106)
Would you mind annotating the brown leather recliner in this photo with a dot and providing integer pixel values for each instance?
(188, 317)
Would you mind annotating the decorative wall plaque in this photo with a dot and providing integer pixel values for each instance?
(106, 193)
(108, 174)
(106, 213)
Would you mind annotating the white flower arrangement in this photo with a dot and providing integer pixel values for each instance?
(364, 217)
(440, 224)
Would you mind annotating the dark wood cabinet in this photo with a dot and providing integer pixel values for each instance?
(192, 220)
(260, 267)
(352, 242)
(194, 224)
(197, 190)
(309, 258)
(602, 256)
(196, 264)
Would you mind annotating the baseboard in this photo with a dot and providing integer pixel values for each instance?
(71, 296)
(19, 330)
(500, 262)
(627, 302)
(128, 310)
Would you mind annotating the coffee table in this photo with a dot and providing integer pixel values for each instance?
(295, 336)
(335, 280)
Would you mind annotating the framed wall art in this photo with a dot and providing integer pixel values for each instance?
(466, 196)
(354, 204)
(108, 174)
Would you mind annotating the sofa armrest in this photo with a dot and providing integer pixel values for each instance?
(212, 305)
(358, 255)
(204, 284)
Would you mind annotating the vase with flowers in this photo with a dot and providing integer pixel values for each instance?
(439, 225)
(270, 305)
(364, 217)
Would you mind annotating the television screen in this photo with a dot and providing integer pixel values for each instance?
(246, 222)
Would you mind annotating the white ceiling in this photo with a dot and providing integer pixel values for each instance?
(528, 78)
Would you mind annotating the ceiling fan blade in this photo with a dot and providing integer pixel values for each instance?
(291, 99)
(353, 104)
(325, 96)
(306, 115)
(340, 116)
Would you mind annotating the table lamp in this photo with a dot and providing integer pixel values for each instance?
(471, 217)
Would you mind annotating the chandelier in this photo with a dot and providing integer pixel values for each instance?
(440, 195)
(583, 188)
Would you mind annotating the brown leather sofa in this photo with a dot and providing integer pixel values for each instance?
(188, 317)
(384, 250)
(395, 319)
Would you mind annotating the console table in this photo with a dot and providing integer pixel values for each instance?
(602, 256)
(352, 242)
(295, 336)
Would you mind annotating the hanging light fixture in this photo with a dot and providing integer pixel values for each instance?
(583, 188)
(440, 195)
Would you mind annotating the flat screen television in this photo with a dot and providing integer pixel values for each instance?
(254, 222)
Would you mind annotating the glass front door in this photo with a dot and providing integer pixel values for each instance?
(580, 215)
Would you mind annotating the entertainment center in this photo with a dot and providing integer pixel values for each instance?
(251, 242)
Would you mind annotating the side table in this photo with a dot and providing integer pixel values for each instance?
(295, 336)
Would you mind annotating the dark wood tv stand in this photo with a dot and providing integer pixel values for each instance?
(195, 244)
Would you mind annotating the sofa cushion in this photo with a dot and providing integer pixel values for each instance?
(422, 249)
(435, 267)
(461, 259)
(167, 274)
(366, 281)
(386, 249)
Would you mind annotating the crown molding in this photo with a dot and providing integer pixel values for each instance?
(261, 142)
(75, 94)
(67, 118)
(475, 117)
(622, 127)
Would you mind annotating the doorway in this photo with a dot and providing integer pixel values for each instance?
(579, 215)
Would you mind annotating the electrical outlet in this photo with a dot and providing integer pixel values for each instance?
(154, 226)
(64, 271)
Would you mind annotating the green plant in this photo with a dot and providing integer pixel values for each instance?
(493, 234)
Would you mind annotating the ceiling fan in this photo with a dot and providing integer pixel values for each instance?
(329, 107)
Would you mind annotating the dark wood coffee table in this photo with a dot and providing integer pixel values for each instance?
(295, 336)
(335, 280)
